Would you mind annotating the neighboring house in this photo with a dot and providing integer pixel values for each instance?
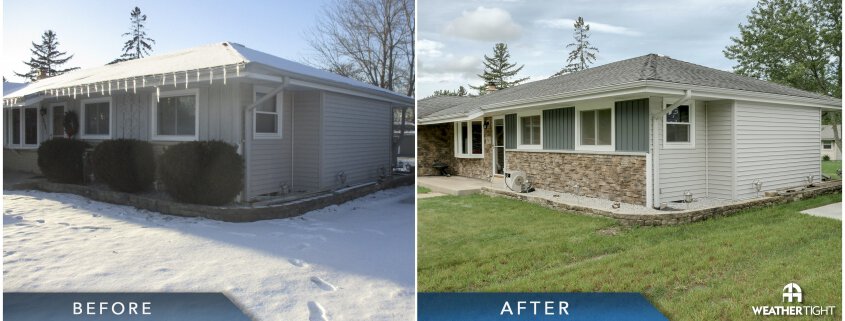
(298, 128)
(643, 131)
(829, 147)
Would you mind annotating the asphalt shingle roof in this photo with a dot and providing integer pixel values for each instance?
(649, 67)
(433, 104)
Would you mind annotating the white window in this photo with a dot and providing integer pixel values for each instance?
(96, 118)
(267, 117)
(175, 115)
(679, 127)
(469, 139)
(22, 127)
(57, 120)
(596, 128)
(827, 144)
(529, 130)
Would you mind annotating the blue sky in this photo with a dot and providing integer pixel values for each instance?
(453, 36)
(91, 30)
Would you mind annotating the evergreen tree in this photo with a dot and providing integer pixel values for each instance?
(138, 45)
(797, 43)
(46, 58)
(445, 92)
(498, 70)
(583, 53)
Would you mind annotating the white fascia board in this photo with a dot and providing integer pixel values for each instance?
(303, 83)
(734, 94)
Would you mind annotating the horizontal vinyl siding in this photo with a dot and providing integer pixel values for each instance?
(684, 169)
(777, 144)
(307, 131)
(269, 159)
(356, 139)
(559, 129)
(720, 180)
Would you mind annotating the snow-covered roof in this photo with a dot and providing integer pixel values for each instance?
(189, 63)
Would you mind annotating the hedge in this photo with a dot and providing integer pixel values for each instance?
(125, 165)
(203, 172)
(60, 160)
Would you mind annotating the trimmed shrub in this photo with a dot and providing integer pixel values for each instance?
(204, 172)
(826, 158)
(125, 165)
(60, 160)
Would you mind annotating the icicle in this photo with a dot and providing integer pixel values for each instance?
(125, 85)
(143, 81)
(102, 90)
(109, 88)
(74, 92)
(198, 75)
(186, 79)
(210, 76)
(224, 75)
(134, 89)
(237, 70)
(88, 90)
(158, 95)
(174, 79)
(163, 79)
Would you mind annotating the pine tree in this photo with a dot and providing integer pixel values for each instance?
(139, 45)
(498, 71)
(584, 54)
(46, 58)
(445, 92)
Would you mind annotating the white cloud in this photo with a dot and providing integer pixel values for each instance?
(594, 26)
(486, 24)
(429, 48)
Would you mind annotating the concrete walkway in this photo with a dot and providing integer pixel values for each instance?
(833, 211)
(453, 185)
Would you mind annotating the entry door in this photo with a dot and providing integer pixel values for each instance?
(498, 146)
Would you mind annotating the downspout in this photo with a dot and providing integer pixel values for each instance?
(292, 133)
(657, 119)
(247, 142)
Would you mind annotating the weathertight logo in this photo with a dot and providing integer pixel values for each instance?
(792, 294)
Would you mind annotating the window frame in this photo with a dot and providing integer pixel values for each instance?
(280, 98)
(599, 148)
(679, 145)
(457, 139)
(828, 143)
(22, 118)
(154, 115)
(519, 117)
(52, 111)
(82, 104)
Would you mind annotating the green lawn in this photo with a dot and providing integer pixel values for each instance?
(423, 190)
(711, 270)
(829, 168)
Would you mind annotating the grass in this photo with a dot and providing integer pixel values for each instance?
(423, 190)
(829, 168)
(711, 270)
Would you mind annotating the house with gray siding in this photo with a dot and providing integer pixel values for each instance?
(643, 131)
(298, 128)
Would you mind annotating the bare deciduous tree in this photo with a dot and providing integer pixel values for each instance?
(367, 40)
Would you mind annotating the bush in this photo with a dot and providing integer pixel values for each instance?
(206, 172)
(60, 160)
(826, 158)
(125, 165)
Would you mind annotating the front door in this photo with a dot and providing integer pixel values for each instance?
(498, 146)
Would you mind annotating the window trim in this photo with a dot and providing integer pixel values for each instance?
(280, 98)
(82, 104)
(829, 144)
(51, 112)
(457, 138)
(680, 145)
(596, 148)
(154, 116)
(22, 144)
(519, 144)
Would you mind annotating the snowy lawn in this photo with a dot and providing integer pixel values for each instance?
(349, 262)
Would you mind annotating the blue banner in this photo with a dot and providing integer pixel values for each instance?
(120, 307)
(536, 306)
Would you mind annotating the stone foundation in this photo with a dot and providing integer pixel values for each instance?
(435, 143)
(613, 177)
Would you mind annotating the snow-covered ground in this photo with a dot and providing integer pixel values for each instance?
(354, 261)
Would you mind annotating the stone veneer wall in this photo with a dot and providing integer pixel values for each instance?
(435, 143)
(613, 177)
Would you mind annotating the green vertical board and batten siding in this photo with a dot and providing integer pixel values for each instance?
(632, 125)
(510, 131)
(559, 129)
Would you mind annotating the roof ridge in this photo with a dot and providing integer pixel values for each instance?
(649, 70)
